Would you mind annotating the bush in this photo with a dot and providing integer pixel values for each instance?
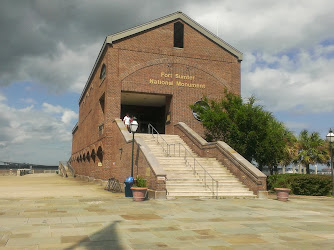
(140, 182)
(316, 185)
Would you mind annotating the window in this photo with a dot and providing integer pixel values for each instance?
(103, 72)
(99, 155)
(101, 129)
(102, 98)
(202, 105)
(178, 34)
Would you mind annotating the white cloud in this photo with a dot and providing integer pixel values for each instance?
(269, 26)
(65, 70)
(67, 114)
(27, 133)
(302, 84)
(49, 108)
(2, 98)
(28, 100)
(292, 125)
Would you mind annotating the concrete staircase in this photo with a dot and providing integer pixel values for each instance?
(183, 180)
(65, 170)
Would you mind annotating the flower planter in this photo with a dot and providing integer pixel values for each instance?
(139, 193)
(282, 193)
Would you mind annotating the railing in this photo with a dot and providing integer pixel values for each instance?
(65, 166)
(190, 160)
(70, 168)
(162, 141)
(62, 170)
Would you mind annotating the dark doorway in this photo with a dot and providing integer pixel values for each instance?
(147, 108)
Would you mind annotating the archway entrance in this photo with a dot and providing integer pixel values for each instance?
(147, 108)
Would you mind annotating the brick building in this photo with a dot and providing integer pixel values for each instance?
(153, 71)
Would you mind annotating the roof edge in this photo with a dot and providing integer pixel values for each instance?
(151, 24)
(93, 70)
(172, 17)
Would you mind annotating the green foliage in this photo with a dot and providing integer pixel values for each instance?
(140, 182)
(290, 149)
(312, 149)
(315, 185)
(246, 127)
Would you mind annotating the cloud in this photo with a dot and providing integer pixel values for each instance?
(33, 130)
(2, 97)
(292, 125)
(299, 84)
(56, 43)
(288, 57)
(28, 100)
(269, 26)
(67, 115)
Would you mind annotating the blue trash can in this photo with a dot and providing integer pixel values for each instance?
(128, 184)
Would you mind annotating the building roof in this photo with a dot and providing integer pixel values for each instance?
(157, 22)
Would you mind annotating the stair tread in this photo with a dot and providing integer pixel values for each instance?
(181, 181)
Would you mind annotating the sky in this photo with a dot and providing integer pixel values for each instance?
(48, 49)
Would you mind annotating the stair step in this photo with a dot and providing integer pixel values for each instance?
(181, 180)
(209, 193)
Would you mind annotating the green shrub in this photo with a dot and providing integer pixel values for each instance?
(140, 182)
(300, 184)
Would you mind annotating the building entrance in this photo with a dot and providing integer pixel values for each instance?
(147, 108)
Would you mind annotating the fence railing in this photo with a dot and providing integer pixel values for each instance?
(158, 137)
(61, 168)
(65, 167)
(179, 150)
(70, 168)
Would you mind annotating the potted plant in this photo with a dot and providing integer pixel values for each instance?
(282, 193)
(139, 189)
(282, 190)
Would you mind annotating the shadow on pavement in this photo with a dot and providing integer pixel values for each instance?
(105, 239)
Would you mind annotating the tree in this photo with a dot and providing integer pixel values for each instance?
(246, 127)
(290, 149)
(311, 149)
(271, 151)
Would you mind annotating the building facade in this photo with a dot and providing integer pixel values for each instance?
(154, 71)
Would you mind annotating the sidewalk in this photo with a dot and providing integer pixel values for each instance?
(46, 211)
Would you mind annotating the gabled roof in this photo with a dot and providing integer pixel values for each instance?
(177, 15)
(160, 21)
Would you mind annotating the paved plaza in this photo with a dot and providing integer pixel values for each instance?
(46, 211)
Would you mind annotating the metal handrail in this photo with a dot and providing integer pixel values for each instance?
(195, 161)
(151, 130)
(62, 170)
(71, 169)
(69, 165)
(167, 150)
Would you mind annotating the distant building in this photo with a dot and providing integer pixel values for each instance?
(325, 171)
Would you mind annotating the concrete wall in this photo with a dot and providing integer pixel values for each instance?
(248, 174)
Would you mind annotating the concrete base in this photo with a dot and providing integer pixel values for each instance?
(262, 195)
(156, 195)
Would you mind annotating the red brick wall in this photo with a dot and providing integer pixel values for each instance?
(131, 63)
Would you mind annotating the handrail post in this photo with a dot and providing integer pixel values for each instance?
(187, 162)
(213, 190)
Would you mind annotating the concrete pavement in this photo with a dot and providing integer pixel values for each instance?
(46, 211)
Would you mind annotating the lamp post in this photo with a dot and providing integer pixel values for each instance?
(133, 128)
(330, 139)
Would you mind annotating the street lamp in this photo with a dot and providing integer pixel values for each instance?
(330, 139)
(133, 128)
